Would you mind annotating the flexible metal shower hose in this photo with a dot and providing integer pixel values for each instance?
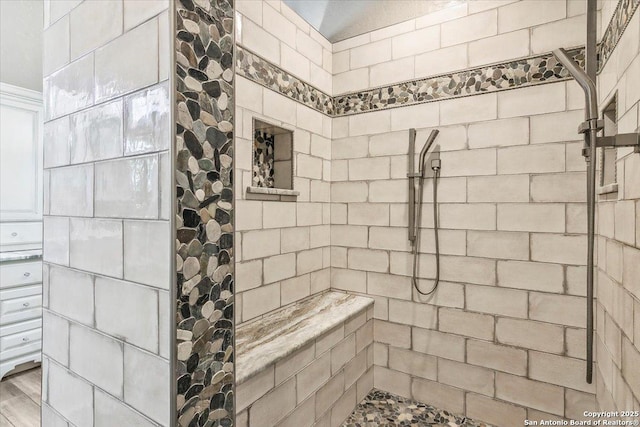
(414, 278)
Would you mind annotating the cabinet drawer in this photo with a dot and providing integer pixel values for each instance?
(20, 350)
(10, 342)
(15, 328)
(18, 233)
(20, 304)
(20, 273)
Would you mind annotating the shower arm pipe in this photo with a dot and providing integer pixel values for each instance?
(590, 129)
(585, 82)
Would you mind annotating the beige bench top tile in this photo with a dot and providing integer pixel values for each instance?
(265, 341)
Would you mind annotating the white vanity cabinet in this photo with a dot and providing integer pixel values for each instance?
(19, 236)
(21, 208)
(21, 159)
(20, 309)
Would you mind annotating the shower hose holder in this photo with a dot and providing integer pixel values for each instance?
(619, 140)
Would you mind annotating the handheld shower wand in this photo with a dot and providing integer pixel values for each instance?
(415, 209)
(425, 149)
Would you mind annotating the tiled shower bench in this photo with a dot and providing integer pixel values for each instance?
(308, 364)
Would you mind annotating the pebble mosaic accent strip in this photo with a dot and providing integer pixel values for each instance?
(380, 408)
(532, 70)
(619, 21)
(527, 71)
(263, 159)
(491, 78)
(263, 72)
(204, 236)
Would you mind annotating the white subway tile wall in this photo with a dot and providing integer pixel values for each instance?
(284, 246)
(504, 202)
(474, 33)
(322, 380)
(275, 32)
(107, 243)
(522, 224)
(617, 340)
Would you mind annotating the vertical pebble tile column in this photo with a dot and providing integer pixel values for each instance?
(204, 212)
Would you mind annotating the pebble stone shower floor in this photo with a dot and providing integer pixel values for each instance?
(380, 408)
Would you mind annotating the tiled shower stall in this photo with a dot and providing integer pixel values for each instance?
(250, 301)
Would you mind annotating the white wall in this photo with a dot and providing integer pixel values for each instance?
(503, 338)
(618, 274)
(282, 247)
(471, 34)
(21, 46)
(278, 34)
(106, 227)
(511, 206)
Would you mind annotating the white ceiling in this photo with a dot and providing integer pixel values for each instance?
(341, 19)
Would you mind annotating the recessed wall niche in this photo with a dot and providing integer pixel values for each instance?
(272, 156)
(272, 162)
(609, 155)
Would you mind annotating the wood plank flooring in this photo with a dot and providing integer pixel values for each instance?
(20, 399)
